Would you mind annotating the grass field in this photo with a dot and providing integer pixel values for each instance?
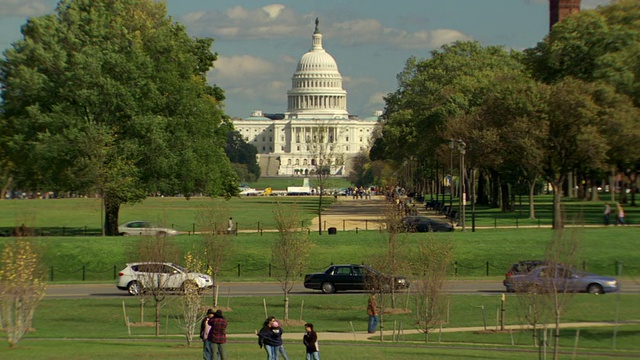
(479, 254)
(83, 216)
(95, 328)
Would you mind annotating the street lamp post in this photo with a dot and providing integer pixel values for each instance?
(451, 147)
(462, 148)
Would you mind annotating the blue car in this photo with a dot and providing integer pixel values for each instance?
(559, 278)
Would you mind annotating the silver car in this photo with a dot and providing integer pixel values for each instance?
(139, 277)
(145, 228)
(550, 278)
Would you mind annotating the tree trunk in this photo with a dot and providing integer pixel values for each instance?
(286, 306)
(612, 185)
(495, 190)
(111, 210)
(532, 206)
(482, 197)
(556, 338)
(557, 204)
(633, 180)
(157, 318)
(594, 193)
(320, 213)
(505, 200)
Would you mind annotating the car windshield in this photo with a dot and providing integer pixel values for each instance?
(180, 268)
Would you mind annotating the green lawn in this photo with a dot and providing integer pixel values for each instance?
(95, 328)
(248, 350)
(97, 322)
(82, 216)
(98, 259)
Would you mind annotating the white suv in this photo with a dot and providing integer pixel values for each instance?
(137, 277)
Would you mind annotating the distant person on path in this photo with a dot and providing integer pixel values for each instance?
(310, 341)
(230, 226)
(372, 311)
(607, 213)
(204, 335)
(218, 335)
(620, 214)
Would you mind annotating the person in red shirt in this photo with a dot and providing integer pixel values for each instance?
(218, 335)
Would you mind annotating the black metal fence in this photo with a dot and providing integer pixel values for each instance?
(240, 271)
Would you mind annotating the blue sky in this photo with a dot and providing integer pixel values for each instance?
(260, 42)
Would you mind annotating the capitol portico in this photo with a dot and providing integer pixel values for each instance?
(316, 130)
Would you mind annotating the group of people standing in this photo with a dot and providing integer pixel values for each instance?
(619, 214)
(213, 332)
(270, 337)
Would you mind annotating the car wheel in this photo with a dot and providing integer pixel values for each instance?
(430, 228)
(328, 288)
(595, 289)
(386, 288)
(134, 288)
(161, 233)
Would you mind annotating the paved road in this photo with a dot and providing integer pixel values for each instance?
(485, 287)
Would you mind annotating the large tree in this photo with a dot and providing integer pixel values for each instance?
(601, 45)
(243, 156)
(110, 96)
(451, 84)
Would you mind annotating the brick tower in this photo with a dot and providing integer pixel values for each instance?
(559, 9)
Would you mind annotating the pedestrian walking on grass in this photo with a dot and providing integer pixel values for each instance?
(310, 341)
(372, 311)
(230, 226)
(607, 213)
(620, 214)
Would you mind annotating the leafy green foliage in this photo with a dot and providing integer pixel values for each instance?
(243, 156)
(110, 97)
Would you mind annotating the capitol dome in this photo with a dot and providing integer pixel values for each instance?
(316, 86)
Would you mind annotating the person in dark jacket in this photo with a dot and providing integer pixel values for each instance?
(310, 341)
(218, 335)
(277, 332)
(204, 334)
(269, 339)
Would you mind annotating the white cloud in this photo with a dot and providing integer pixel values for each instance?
(22, 8)
(238, 22)
(277, 21)
(254, 78)
(376, 101)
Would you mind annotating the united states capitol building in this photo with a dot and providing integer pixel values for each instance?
(316, 130)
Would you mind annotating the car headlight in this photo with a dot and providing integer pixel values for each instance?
(402, 281)
(612, 283)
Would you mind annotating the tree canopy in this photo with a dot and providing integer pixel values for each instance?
(110, 96)
(243, 156)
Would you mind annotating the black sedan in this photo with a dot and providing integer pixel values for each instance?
(424, 224)
(352, 277)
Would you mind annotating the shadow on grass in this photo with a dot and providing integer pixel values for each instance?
(50, 231)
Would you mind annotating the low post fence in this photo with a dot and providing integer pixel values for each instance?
(268, 270)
